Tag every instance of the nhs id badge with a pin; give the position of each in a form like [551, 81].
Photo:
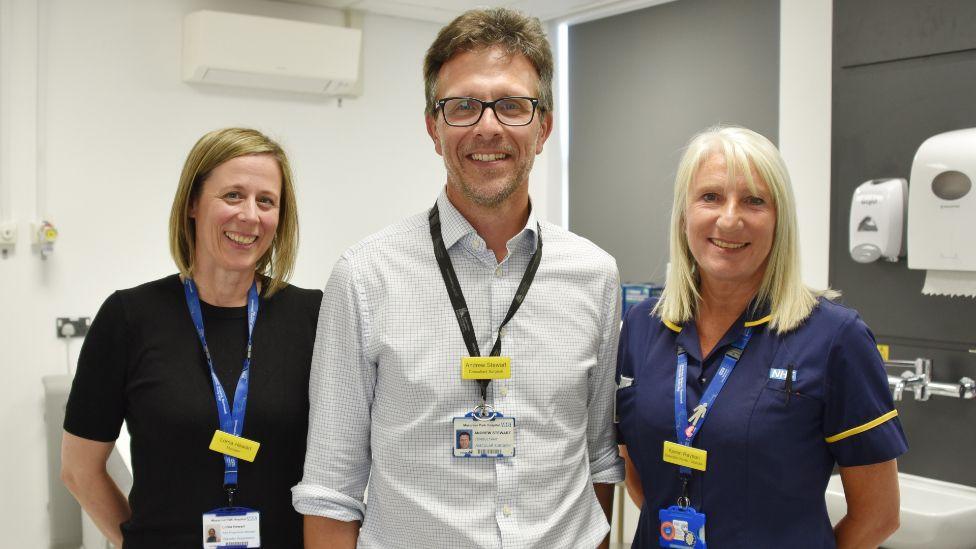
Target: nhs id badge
[682, 527]
[232, 527]
[491, 436]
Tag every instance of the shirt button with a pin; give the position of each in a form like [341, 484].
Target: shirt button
[507, 511]
[502, 332]
[503, 391]
[498, 272]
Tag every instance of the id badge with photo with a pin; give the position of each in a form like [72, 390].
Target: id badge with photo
[484, 437]
[231, 527]
[682, 528]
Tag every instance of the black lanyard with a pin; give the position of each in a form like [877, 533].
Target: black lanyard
[457, 296]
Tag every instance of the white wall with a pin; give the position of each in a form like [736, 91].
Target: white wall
[118, 123]
[804, 124]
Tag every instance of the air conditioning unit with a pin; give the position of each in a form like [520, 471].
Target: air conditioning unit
[262, 52]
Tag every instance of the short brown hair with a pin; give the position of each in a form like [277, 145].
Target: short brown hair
[483, 28]
[212, 150]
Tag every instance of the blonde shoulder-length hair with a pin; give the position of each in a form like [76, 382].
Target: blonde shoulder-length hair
[782, 290]
[213, 149]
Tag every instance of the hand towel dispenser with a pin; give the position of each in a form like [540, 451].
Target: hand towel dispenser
[942, 204]
[942, 212]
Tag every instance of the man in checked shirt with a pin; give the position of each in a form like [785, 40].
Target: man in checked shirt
[472, 316]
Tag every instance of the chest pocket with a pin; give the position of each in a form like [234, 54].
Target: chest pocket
[786, 437]
[787, 408]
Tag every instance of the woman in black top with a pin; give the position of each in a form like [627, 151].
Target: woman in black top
[233, 235]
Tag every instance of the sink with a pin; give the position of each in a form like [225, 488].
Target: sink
[933, 513]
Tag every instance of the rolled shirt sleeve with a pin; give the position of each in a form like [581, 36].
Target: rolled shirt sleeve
[861, 425]
[337, 460]
[606, 466]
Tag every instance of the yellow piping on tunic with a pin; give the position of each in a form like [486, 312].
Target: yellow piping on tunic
[749, 324]
[762, 320]
[671, 325]
[861, 428]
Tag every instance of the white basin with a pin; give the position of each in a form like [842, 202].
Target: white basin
[933, 513]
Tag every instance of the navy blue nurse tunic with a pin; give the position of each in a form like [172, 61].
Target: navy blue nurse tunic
[770, 454]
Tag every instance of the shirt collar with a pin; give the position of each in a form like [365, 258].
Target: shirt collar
[756, 314]
[455, 227]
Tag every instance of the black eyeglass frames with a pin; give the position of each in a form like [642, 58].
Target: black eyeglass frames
[467, 111]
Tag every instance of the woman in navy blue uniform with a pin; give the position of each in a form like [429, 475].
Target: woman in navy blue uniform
[776, 384]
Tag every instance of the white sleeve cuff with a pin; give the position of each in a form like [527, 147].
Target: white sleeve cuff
[611, 473]
[311, 499]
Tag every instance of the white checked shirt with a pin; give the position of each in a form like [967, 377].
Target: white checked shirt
[386, 384]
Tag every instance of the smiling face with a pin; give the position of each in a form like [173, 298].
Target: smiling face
[729, 226]
[489, 162]
[236, 214]
[464, 441]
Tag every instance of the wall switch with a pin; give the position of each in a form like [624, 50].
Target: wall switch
[44, 236]
[73, 327]
[8, 238]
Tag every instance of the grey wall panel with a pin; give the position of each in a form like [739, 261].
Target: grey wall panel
[877, 31]
[881, 114]
[641, 84]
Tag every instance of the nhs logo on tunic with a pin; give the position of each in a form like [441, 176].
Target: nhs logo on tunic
[780, 374]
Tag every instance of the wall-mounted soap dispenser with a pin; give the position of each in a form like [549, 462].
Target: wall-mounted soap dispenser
[878, 220]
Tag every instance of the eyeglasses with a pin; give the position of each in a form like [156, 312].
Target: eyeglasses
[467, 111]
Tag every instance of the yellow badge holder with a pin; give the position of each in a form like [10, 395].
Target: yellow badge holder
[486, 367]
[239, 447]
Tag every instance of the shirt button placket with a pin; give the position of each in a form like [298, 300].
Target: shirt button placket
[506, 512]
[506, 470]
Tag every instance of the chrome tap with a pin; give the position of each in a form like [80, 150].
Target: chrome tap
[917, 383]
[918, 379]
[967, 388]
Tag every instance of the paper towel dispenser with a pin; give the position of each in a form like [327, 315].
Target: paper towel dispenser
[878, 220]
[942, 203]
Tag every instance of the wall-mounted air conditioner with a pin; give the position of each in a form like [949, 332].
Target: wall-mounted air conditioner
[262, 52]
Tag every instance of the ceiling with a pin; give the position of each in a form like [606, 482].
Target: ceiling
[443, 11]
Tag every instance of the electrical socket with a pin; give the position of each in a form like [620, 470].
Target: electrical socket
[8, 233]
[73, 327]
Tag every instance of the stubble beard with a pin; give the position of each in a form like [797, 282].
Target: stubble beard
[489, 197]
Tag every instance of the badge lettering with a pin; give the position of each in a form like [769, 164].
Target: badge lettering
[238, 447]
[685, 456]
[486, 367]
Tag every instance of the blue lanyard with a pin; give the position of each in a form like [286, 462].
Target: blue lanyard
[686, 430]
[231, 418]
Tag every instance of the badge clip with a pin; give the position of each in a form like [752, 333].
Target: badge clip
[483, 412]
[684, 500]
